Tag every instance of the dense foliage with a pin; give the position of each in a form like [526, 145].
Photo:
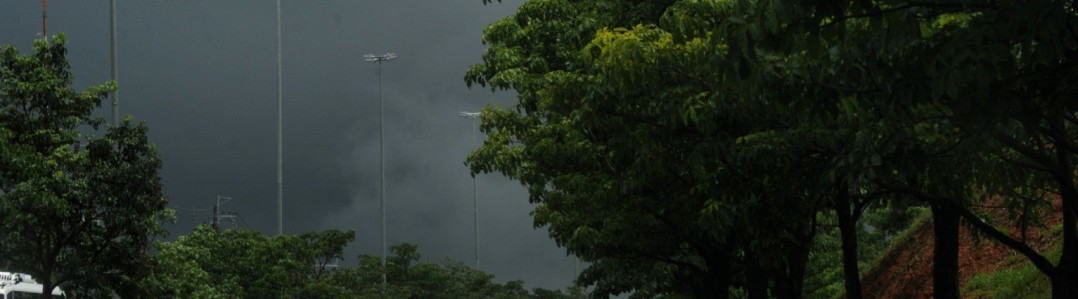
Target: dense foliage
[696, 147]
[75, 211]
[701, 148]
[239, 263]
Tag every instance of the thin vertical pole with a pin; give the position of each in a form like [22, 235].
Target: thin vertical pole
[475, 189]
[475, 200]
[45, 19]
[280, 140]
[215, 218]
[382, 161]
[382, 150]
[112, 56]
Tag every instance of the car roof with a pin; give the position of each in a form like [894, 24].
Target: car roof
[30, 288]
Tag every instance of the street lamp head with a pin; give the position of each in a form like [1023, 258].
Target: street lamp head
[469, 114]
[380, 58]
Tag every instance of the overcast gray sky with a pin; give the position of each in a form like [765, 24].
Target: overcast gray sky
[202, 74]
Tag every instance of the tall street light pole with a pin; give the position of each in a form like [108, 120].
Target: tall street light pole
[112, 56]
[475, 190]
[45, 19]
[382, 148]
[576, 267]
[280, 148]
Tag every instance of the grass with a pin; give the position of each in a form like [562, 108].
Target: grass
[906, 237]
[825, 267]
[1022, 282]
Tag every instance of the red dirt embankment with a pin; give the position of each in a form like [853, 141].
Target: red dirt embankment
[906, 270]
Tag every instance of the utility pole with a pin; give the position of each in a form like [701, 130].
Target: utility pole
[475, 191]
[382, 148]
[216, 211]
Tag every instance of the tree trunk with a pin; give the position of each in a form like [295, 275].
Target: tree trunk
[848, 227]
[756, 280]
[789, 283]
[1060, 289]
[1065, 282]
[722, 278]
[1066, 278]
[45, 277]
[945, 266]
[718, 283]
[46, 288]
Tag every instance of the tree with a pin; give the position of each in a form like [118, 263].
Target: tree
[176, 272]
[238, 263]
[1026, 102]
[1001, 94]
[408, 277]
[647, 152]
[972, 105]
[685, 146]
[79, 211]
[243, 263]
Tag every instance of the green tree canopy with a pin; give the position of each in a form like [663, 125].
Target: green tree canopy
[78, 211]
[408, 277]
[684, 147]
[238, 263]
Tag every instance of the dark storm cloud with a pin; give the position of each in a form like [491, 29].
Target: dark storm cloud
[203, 76]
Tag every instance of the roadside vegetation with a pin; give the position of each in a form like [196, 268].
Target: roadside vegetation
[681, 148]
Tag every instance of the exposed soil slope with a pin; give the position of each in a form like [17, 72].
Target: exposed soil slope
[906, 270]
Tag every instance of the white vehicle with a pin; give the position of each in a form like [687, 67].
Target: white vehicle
[17, 286]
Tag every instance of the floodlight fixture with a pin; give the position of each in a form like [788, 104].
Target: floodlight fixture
[380, 58]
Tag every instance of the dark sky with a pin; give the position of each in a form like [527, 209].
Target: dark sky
[202, 74]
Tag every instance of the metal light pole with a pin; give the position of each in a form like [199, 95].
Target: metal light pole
[45, 19]
[112, 56]
[475, 190]
[381, 147]
[576, 266]
[280, 168]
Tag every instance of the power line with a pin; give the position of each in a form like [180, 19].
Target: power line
[192, 209]
[243, 222]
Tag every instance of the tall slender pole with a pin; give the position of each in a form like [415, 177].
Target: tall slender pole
[112, 56]
[382, 149]
[45, 19]
[475, 201]
[280, 168]
[382, 165]
[475, 189]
